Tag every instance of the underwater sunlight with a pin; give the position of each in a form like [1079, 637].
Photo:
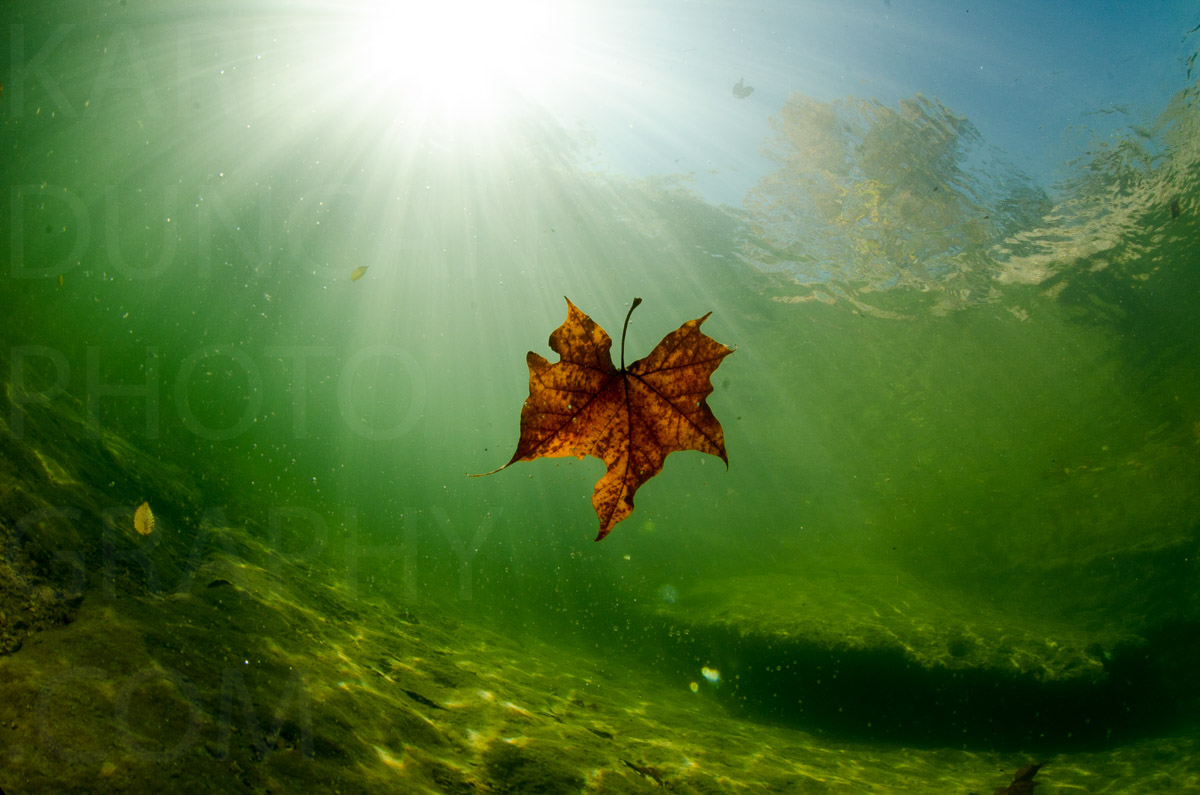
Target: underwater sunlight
[461, 61]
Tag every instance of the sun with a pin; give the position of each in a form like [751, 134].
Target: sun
[461, 59]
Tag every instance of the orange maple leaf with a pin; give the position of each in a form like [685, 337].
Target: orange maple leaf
[631, 418]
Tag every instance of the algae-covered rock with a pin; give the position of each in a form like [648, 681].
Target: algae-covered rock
[524, 769]
[888, 611]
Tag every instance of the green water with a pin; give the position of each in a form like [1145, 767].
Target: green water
[957, 532]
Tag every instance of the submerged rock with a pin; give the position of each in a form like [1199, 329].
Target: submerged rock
[513, 768]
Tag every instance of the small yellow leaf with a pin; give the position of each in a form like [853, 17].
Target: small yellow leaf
[143, 519]
[358, 273]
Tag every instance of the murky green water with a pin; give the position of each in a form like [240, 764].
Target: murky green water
[958, 529]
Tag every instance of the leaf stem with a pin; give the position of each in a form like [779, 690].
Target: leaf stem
[636, 301]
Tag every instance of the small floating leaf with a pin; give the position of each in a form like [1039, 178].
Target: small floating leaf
[143, 519]
[358, 273]
[1023, 782]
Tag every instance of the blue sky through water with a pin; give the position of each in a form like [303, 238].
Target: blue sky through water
[1039, 80]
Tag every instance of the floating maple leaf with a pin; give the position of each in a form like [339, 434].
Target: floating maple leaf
[631, 418]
